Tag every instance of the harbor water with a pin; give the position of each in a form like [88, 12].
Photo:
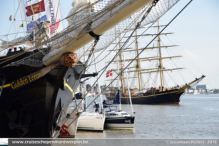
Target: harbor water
[197, 116]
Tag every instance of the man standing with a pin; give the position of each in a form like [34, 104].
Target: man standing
[96, 106]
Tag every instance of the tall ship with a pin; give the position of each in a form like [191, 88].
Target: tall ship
[141, 91]
[38, 80]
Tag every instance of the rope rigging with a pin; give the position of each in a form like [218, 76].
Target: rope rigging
[129, 63]
[93, 48]
[138, 25]
[141, 50]
[85, 66]
[94, 16]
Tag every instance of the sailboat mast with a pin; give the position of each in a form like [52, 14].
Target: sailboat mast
[138, 62]
[160, 57]
[117, 68]
[98, 81]
[122, 75]
[127, 79]
[85, 87]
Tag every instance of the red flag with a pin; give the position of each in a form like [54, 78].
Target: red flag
[54, 27]
[107, 74]
[35, 8]
[111, 73]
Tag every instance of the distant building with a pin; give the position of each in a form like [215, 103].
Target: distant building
[202, 87]
[210, 91]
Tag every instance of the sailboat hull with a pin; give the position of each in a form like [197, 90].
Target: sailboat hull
[119, 122]
[91, 122]
[166, 97]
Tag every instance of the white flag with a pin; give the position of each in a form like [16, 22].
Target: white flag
[53, 14]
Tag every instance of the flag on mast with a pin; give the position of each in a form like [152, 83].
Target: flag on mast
[35, 8]
[34, 23]
[109, 73]
[53, 14]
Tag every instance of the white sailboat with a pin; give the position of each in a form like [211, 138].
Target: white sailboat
[115, 117]
[92, 121]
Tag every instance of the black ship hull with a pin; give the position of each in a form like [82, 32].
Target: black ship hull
[119, 122]
[165, 97]
[39, 108]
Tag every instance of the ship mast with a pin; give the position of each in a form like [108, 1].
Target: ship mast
[138, 62]
[160, 57]
[121, 69]
[158, 69]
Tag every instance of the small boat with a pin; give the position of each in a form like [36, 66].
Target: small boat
[118, 119]
[115, 117]
[91, 122]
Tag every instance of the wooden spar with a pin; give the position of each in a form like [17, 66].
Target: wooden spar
[149, 34]
[162, 70]
[150, 58]
[150, 48]
[144, 69]
[124, 13]
[138, 62]
[160, 57]
[121, 69]
[122, 78]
